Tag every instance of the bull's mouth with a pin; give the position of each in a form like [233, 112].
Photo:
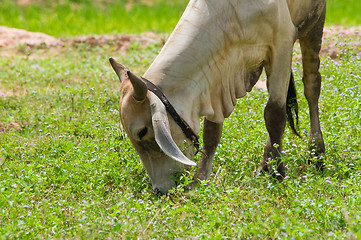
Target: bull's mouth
[178, 179]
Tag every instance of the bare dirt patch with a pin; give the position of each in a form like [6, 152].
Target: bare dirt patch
[10, 37]
[18, 41]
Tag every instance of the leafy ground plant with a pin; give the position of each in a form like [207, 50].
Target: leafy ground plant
[68, 171]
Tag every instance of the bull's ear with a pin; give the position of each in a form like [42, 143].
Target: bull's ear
[119, 69]
[139, 87]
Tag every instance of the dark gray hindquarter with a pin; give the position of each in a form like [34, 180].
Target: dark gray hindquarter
[313, 17]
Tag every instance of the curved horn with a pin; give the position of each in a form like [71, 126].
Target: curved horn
[163, 136]
[119, 69]
[139, 87]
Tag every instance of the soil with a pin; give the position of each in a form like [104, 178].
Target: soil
[10, 37]
[13, 40]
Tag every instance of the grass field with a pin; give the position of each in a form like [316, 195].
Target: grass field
[71, 18]
[84, 17]
[346, 12]
[68, 171]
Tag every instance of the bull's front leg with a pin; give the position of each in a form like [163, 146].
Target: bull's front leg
[278, 70]
[275, 118]
[212, 133]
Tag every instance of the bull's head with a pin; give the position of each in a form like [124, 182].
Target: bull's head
[146, 123]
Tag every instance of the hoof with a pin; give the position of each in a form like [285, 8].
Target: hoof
[277, 175]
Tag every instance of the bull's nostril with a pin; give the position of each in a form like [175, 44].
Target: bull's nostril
[142, 133]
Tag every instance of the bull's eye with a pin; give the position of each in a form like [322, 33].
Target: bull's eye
[142, 133]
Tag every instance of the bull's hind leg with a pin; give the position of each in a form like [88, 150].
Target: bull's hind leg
[310, 47]
[212, 133]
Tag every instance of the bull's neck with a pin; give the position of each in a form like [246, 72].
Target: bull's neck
[197, 67]
[184, 77]
[188, 68]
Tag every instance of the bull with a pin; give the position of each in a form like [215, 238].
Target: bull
[214, 56]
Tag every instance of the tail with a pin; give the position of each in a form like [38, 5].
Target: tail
[292, 106]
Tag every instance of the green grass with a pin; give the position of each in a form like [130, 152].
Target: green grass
[70, 18]
[343, 12]
[68, 171]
